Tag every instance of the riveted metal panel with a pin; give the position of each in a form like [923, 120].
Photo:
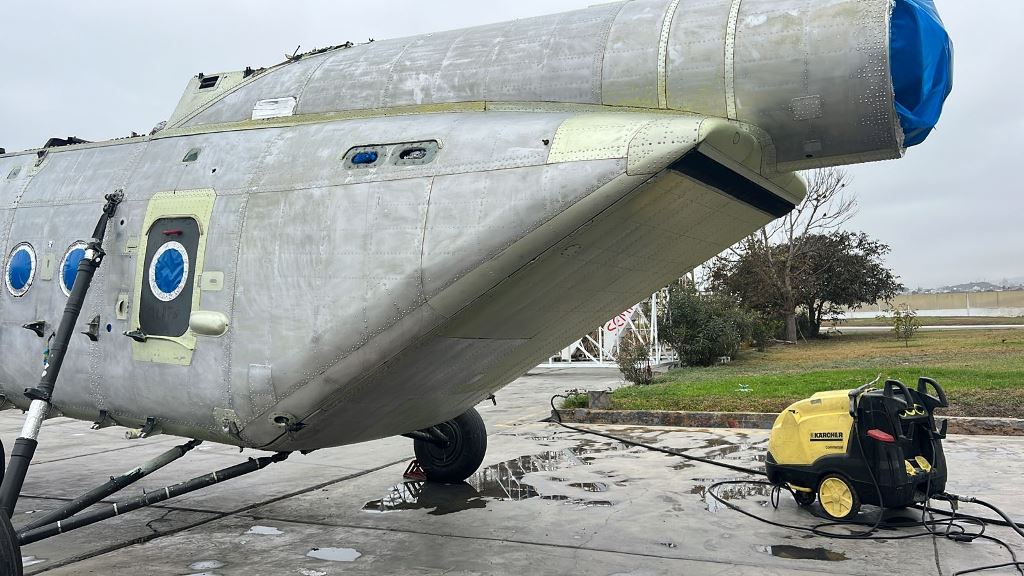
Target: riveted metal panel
[595, 137]
[696, 70]
[631, 60]
[817, 73]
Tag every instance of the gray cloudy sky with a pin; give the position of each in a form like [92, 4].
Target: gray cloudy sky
[98, 69]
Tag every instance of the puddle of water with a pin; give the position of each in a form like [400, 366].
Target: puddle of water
[27, 561]
[590, 486]
[441, 499]
[334, 554]
[264, 531]
[206, 565]
[801, 553]
[503, 481]
[731, 492]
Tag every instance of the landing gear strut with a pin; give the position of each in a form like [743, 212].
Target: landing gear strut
[458, 452]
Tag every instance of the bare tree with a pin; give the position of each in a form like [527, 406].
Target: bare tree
[780, 246]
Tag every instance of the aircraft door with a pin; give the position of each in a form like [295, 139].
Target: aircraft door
[165, 304]
[167, 278]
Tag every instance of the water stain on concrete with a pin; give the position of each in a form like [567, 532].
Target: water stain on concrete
[801, 553]
[334, 554]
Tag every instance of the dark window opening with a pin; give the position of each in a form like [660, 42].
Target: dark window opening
[206, 82]
[14, 173]
[191, 156]
[413, 154]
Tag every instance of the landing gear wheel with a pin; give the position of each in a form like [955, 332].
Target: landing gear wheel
[10, 552]
[467, 443]
[838, 498]
[803, 498]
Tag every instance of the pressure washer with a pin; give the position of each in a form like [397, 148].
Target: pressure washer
[862, 446]
[865, 446]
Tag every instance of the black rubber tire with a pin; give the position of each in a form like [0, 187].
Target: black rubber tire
[804, 498]
[3, 461]
[10, 552]
[854, 505]
[465, 451]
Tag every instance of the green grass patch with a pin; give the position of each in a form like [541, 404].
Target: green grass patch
[982, 372]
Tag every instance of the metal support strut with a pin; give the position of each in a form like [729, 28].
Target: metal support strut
[25, 445]
[114, 485]
[26, 537]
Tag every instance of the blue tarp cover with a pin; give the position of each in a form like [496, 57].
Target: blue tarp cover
[921, 59]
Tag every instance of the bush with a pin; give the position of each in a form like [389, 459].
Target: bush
[634, 360]
[701, 328]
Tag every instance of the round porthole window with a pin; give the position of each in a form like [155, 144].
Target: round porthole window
[168, 271]
[20, 269]
[69, 266]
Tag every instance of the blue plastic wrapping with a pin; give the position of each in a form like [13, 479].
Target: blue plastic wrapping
[921, 60]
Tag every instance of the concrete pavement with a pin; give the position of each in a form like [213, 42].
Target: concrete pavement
[547, 501]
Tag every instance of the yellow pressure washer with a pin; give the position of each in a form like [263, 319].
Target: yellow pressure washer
[865, 445]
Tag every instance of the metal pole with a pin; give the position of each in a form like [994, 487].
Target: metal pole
[25, 446]
[253, 464]
[115, 484]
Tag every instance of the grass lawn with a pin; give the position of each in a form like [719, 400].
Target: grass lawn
[982, 372]
[939, 321]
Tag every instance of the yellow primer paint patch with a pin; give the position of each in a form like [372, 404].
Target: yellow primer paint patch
[197, 204]
[595, 137]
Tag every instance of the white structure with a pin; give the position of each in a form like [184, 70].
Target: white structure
[599, 348]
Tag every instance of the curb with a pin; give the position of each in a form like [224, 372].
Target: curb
[957, 424]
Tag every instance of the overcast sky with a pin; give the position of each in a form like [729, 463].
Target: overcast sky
[951, 210]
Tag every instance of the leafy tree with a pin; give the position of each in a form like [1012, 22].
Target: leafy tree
[830, 271]
[904, 322]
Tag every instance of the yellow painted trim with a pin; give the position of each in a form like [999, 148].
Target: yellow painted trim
[197, 204]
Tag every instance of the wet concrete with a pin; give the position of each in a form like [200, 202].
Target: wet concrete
[546, 501]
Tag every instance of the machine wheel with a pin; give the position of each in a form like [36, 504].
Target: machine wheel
[838, 498]
[803, 498]
[10, 552]
[467, 443]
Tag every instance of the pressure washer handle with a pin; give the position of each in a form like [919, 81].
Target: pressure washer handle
[890, 385]
[856, 392]
[922, 387]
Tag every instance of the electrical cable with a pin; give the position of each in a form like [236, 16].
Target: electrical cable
[955, 529]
